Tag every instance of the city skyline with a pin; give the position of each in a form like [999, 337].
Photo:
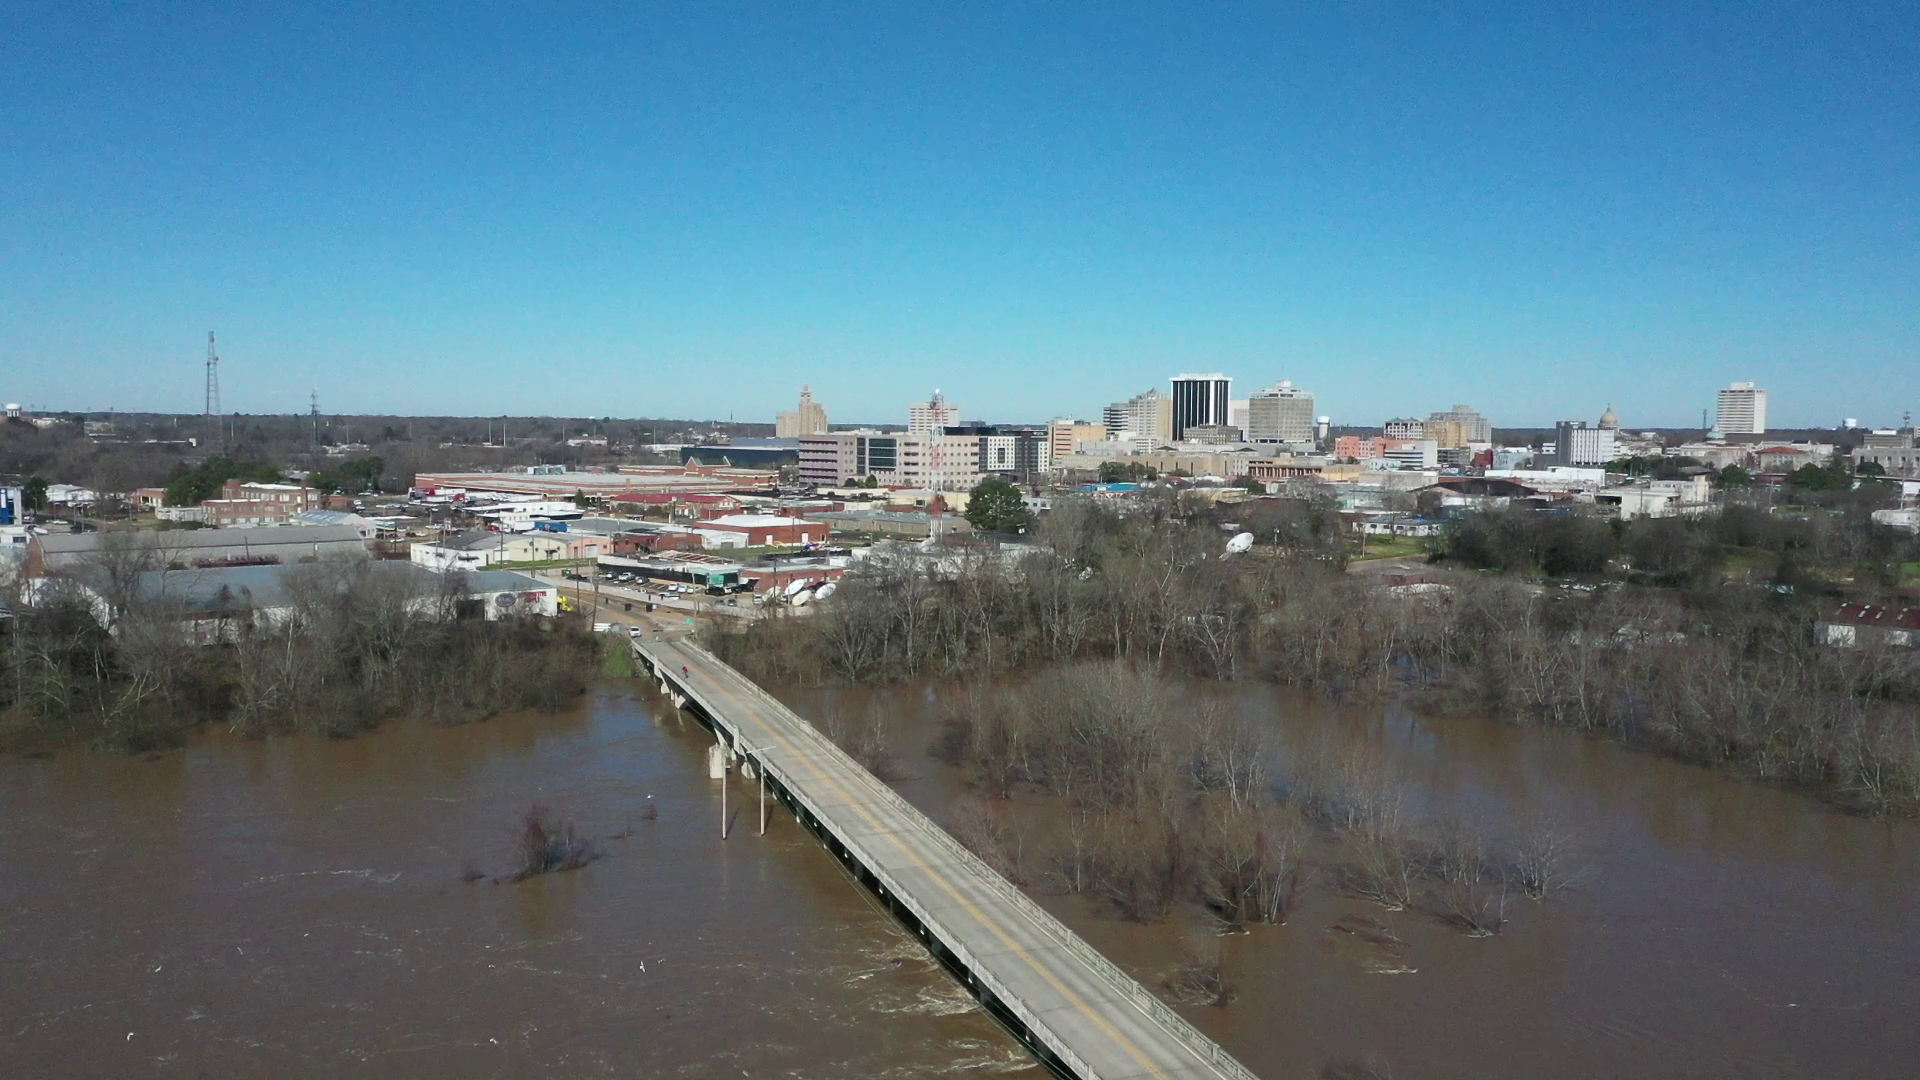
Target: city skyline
[486, 213]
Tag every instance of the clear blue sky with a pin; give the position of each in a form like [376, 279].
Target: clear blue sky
[691, 209]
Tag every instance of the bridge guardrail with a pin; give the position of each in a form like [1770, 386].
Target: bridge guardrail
[1191, 1037]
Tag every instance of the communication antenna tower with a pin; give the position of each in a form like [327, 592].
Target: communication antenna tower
[213, 391]
[314, 409]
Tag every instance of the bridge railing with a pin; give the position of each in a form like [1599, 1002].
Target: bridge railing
[1148, 1002]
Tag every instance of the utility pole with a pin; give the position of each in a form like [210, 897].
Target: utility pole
[213, 393]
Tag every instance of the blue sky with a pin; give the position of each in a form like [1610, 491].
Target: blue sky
[691, 210]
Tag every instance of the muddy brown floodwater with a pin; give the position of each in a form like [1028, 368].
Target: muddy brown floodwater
[1724, 929]
[295, 907]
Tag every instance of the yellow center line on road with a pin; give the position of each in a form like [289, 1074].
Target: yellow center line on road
[1081, 1004]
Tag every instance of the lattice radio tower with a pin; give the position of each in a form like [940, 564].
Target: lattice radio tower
[213, 393]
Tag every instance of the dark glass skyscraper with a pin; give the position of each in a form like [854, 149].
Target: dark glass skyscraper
[1200, 401]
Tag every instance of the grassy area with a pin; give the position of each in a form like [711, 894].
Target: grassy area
[1387, 547]
[616, 656]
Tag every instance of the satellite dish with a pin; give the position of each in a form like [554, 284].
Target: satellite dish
[824, 591]
[794, 587]
[1239, 543]
[800, 599]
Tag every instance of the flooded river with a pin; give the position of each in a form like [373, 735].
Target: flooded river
[296, 907]
[1722, 929]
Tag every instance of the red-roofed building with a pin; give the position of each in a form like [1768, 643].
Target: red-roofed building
[1866, 625]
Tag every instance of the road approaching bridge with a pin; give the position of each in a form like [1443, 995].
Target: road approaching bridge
[1073, 1008]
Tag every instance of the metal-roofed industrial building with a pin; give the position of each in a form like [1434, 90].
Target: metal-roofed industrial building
[190, 548]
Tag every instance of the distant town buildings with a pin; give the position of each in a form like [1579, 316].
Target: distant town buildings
[1742, 410]
[932, 416]
[1281, 413]
[808, 418]
[1065, 437]
[1458, 428]
[1145, 419]
[1577, 444]
[1893, 451]
[1201, 401]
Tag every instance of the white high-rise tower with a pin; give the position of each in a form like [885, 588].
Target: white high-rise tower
[1742, 411]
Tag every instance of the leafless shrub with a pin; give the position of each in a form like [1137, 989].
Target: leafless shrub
[1248, 861]
[1075, 866]
[1544, 859]
[1385, 867]
[1143, 864]
[988, 831]
[548, 843]
[864, 738]
[1473, 909]
[1229, 755]
[1200, 977]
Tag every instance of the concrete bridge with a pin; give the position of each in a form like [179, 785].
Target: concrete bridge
[1077, 1012]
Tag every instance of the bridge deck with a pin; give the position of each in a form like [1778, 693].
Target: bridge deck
[1095, 1019]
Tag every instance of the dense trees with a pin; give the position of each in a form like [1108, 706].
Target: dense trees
[1727, 675]
[1834, 537]
[363, 642]
[192, 485]
[352, 476]
[996, 505]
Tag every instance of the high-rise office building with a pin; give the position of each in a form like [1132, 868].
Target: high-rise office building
[809, 419]
[1459, 426]
[1146, 417]
[1577, 444]
[1201, 401]
[1282, 413]
[932, 416]
[1742, 411]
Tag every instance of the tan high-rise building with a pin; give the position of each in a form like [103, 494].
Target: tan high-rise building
[809, 419]
[932, 417]
[1146, 417]
[1458, 427]
[1282, 413]
[1065, 436]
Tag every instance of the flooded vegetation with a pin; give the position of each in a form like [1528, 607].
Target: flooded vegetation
[1440, 897]
[1725, 674]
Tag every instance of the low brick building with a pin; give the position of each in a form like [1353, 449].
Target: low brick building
[764, 530]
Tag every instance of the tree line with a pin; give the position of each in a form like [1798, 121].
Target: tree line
[1729, 675]
[124, 664]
